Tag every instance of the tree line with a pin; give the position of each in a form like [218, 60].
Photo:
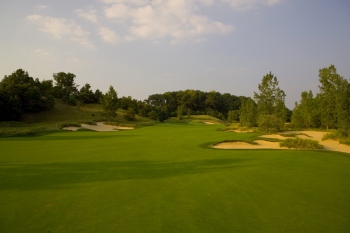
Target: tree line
[20, 93]
[329, 109]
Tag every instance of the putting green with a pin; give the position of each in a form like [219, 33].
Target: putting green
[165, 178]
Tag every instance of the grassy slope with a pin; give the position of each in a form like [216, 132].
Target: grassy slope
[164, 179]
[51, 120]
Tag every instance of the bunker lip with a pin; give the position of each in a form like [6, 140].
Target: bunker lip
[100, 127]
[261, 144]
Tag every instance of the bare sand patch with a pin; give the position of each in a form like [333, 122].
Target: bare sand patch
[208, 123]
[313, 135]
[261, 144]
[71, 128]
[241, 131]
[100, 127]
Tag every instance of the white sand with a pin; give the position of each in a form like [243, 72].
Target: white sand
[208, 123]
[100, 126]
[244, 145]
[314, 135]
[241, 131]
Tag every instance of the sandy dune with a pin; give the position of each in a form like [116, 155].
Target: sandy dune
[313, 135]
[100, 126]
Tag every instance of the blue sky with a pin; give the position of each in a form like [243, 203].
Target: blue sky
[144, 47]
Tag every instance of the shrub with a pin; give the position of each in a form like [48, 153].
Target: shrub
[130, 114]
[345, 141]
[332, 136]
[298, 143]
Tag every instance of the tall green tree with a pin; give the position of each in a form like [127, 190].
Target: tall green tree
[333, 98]
[306, 113]
[109, 102]
[248, 113]
[86, 95]
[20, 93]
[270, 103]
[65, 88]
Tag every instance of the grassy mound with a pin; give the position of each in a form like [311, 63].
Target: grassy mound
[298, 143]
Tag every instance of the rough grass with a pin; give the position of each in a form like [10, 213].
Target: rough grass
[64, 115]
[335, 136]
[298, 143]
[165, 178]
[291, 135]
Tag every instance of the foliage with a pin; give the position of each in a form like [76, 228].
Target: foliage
[233, 116]
[248, 113]
[270, 104]
[334, 100]
[65, 88]
[306, 113]
[109, 102]
[87, 96]
[303, 144]
[20, 93]
[180, 112]
[130, 114]
[270, 123]
[345, 141]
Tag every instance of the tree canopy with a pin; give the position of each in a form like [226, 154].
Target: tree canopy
[20, 93]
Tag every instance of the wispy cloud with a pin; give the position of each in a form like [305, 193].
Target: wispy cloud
[41, 7]
[44, 54]
[61, 28]
[108, 35]
[89, 14]
[248, 4]
[173, 19]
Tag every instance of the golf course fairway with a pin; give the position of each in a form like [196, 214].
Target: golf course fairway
[167, 178]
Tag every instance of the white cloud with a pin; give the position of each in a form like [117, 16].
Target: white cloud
[61, 28]
[156, 19]
[89, 14]
[41, 7]
[108, 35]
[248, 4]
[44, 54]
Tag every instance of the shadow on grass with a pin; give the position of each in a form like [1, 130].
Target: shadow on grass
[57, 137]
[14, 176]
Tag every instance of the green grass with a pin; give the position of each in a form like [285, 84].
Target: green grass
[65, 115]
[166, 178]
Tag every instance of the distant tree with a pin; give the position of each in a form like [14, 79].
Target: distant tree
[97, 96]
[334, 100]
[180, 112]
[86, 95]
[20, 93]
[306, 113]
[109, 102]
[248, 113]
[65, 88]
[271, 103]
[130, 114]
[233, 116]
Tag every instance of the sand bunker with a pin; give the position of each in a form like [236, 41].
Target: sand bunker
[208, 123]
[313, 135]
[100, 126]
[244, 145]
[241, 131]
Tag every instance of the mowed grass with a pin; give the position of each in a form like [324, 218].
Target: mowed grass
[165, 178]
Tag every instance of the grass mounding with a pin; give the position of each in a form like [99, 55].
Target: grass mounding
[298, 143]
